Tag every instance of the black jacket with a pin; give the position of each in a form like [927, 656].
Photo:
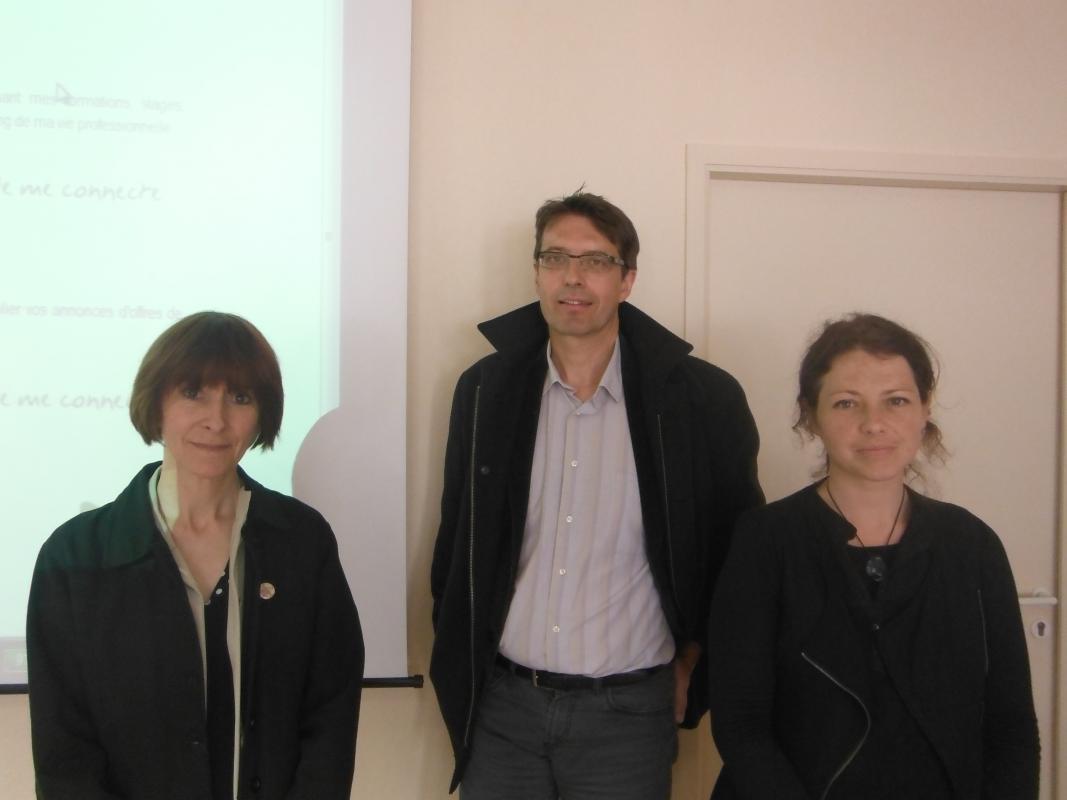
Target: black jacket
[115, 674]
[694, 444]
[791, 635]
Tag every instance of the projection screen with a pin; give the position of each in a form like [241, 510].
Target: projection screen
[160, 158]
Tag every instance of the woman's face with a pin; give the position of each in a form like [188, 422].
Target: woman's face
[870, 417]
[207, 430]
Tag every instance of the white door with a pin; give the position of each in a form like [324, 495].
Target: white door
[976, 272]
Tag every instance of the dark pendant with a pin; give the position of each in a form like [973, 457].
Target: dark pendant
[876, 569]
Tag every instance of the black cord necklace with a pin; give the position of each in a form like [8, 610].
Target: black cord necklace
[876, 568]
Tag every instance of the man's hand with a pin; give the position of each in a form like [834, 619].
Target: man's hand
[684, 660]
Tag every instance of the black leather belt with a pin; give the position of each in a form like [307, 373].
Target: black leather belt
[561, 681]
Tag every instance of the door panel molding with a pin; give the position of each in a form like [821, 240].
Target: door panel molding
[707, 163]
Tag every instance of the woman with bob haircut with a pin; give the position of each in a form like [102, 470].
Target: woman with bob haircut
[196, 637]
[865, 640]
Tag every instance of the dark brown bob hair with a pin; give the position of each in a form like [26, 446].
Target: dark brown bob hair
[205, 349]
[608, 219]
[879, 337]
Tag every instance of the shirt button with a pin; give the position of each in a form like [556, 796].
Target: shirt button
[875, 627]
[570, 518]
[562, 571]
[484, 469]
[555, 629]
[574, 463]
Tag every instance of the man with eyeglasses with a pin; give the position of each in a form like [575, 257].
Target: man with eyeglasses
[593, 473]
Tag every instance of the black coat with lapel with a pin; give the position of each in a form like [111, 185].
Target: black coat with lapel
[694, 444]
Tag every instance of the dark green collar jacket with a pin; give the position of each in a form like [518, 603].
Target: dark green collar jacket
[115, 673]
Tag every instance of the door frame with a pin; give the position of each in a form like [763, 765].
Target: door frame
[706, 163]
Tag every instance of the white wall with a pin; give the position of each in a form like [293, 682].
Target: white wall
[514, 102]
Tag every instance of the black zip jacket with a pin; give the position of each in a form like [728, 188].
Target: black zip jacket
[694, 444]
[792, 631]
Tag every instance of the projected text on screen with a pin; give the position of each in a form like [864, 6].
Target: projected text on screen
[155, 159]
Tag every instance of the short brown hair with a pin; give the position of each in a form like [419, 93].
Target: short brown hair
[205, 349]
[879, 337]
[608, 219]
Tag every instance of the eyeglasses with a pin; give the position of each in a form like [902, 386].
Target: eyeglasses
[588, 263]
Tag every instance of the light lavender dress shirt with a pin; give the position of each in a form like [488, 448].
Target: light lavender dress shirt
[585, 602]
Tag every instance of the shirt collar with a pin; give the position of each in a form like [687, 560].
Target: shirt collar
[610, 381]
[156, 499]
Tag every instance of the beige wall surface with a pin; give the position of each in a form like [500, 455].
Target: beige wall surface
[514, 102]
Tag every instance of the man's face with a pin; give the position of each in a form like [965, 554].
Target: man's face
[576, 303]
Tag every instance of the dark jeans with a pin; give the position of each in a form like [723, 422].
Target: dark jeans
[542, 744]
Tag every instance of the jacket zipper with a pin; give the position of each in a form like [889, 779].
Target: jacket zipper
[866, 732]
[985, 640]
[667, 515]
[470, 566]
